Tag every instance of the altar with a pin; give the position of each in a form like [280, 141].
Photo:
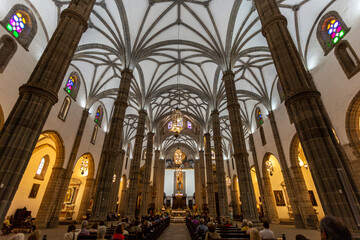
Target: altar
[179, 201]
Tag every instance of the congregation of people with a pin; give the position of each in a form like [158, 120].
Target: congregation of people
[205, 228]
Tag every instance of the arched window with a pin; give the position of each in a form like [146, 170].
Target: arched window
[64, 108]
[347, 58]
[94, 135]
[99, 115]
[170, 125]
[41, 170]
[262, 135]
[8, 48]
[144, 155]
[189, 125]
[259, 117]
[72, 85]
[21, 23]
[331, 30]
[281, 91]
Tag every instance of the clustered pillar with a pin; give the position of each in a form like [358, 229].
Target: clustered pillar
[145, 200]
[135, 165]
[112, 149]
[220, 169]
[202, 179]
[247, 195]
[156, 181]
[209, 176]
[23, 127]
[328, 163]
[115, 186]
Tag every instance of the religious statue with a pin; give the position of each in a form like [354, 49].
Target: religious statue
[179, 181]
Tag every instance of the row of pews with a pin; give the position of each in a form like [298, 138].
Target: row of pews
[151, 234]
[228, 233]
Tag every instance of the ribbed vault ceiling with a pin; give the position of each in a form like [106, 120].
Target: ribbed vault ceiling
[178, 50]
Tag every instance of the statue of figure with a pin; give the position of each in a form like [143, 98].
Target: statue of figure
[179, 182]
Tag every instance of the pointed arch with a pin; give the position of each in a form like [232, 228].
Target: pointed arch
[72, 85]
[8, 48]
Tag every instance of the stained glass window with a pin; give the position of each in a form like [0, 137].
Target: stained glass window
[189, 125]
[212, 154]
[21, 24]
[41, 166]
[72, 85]
[331, 30]
[99, 116]
[335, 30]
[16, 24]
[259, 117]
[170, 125]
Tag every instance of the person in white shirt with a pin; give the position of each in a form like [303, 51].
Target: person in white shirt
[266, 233]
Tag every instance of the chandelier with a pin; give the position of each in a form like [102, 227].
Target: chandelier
[177, 122]
[179, 156]
[269, 167]
[84, 166]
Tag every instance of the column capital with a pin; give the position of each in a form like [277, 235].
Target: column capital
[72, 13]
[215, 111]
[228, 74]
[278, 18]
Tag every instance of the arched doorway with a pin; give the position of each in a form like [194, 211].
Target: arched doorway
[275, 192]
[47, 155]
[352, 126]
[303, 178]
[78, 194]
[256, 191]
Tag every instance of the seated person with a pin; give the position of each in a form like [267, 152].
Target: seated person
[6, 228]
[101, 232]
[201, 230]
[84, 231]
[227, 224]
[211, 234]
[118, 233]
[244, 226]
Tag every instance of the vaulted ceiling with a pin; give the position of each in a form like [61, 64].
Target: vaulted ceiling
[178, 50]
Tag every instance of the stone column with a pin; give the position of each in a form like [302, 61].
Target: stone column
[55, 192]
[161, 182]
[123, 199]
[135, 165]
[337, 189]
[202, 178]
[115, 187]
[146, 194]
[247, 195]
[220, 168]
[156, 179]
[209, 176]
[304, 216]
[111, 149]
[23, 127]
[270, 199]
[258, 176]
[198, 186]
[85, 201]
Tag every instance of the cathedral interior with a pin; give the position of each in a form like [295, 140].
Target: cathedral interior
[234, 107]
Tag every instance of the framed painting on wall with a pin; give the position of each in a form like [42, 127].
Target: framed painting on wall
[279, 198]
[34, 190]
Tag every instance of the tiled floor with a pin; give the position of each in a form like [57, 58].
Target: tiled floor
[176, 231]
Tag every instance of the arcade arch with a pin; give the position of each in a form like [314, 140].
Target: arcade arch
[49, 150]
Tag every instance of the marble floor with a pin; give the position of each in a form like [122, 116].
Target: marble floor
[179, 231]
